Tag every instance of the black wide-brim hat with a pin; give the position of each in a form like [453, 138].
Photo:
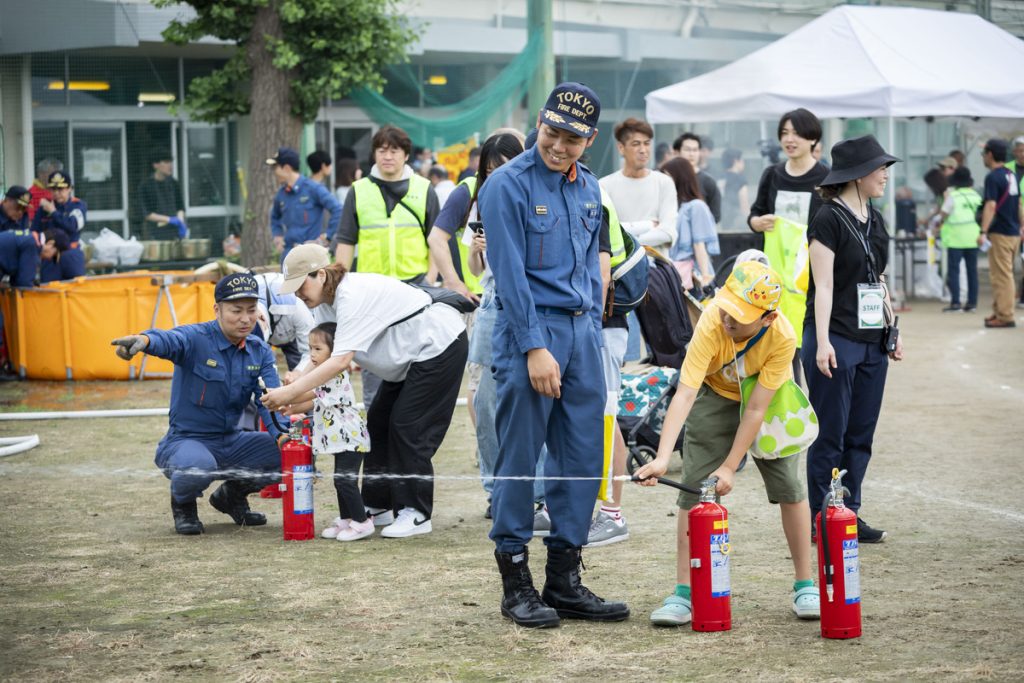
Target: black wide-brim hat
[856, 158]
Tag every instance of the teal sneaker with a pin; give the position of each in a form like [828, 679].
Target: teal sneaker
[807, 603]
[675, 611]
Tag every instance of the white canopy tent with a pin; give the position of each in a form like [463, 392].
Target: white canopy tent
[861, 62]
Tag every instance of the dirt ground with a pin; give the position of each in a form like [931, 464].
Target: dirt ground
[96, 585]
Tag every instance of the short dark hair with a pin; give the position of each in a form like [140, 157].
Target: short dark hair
[438, 171]
[630, 126]
[391, 136]
[730, 156]
[475, 152]
[997, 148]
[804, 123]
[678, 144]
[317, 160]
[325, 330]
[158, 155]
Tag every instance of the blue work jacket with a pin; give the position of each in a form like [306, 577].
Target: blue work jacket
[8, 223]
[69, 217]
[19, 257]
[214, 380]
[298, 210]
[542, 230]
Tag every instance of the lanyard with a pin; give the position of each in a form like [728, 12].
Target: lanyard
[750, 344]
[862, 240]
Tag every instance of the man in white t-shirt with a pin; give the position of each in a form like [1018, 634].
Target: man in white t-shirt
[646, 201]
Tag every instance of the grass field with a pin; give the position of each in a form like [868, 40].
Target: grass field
[96, 585]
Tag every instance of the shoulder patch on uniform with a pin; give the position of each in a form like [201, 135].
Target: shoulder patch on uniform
[211, 362]
[540, 210]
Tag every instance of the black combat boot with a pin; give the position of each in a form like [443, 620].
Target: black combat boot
[230, 499]
[186, 518]
[521, 603]
[570, 598]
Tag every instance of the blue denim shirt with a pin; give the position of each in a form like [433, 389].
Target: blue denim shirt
[214, 380]
[542, 242]
[694, 223]
[298, 210]
[69, 217]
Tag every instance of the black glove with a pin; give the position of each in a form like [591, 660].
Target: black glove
[128, 346]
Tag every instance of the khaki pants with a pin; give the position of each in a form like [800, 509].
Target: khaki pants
[1000, 268]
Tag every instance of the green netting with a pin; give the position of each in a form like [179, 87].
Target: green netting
[454, 123]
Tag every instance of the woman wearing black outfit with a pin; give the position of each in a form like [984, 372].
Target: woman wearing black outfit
[848, 310]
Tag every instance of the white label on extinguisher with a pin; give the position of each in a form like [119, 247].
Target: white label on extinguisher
[851, 572]
[302, 498]
[719, 565]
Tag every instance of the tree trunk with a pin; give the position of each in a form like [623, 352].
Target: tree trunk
[273, 126]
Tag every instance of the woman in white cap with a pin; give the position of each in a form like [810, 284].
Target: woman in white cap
[417, 347]
[848, 321]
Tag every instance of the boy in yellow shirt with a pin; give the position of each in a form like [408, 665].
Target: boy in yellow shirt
[740, 334]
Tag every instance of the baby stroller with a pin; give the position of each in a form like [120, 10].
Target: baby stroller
[643, 402]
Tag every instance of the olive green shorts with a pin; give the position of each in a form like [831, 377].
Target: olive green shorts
[710, 430]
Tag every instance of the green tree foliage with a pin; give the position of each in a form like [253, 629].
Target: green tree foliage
[328, 47]
[292, 54]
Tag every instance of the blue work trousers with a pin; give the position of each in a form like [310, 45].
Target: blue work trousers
[192, 461]
[848, 406]
[572, 427]
[970, 259]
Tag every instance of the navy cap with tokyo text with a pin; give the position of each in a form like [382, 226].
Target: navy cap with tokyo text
[236, 286]
[285, 155]
[573, 107]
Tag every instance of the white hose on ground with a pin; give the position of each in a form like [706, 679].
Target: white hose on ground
[129, 412]
[18, 444]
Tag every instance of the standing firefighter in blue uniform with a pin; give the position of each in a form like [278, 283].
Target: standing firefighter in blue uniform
[542, 213]
[67, 215]
[13, 216]
[297, 215]
[217, 367]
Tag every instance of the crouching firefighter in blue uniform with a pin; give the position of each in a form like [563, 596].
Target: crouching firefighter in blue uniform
[542, 214]
[217, 367]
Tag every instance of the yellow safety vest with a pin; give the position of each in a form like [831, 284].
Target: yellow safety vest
[472, 281]
[392, 244]
[960, 230]
[614, 230]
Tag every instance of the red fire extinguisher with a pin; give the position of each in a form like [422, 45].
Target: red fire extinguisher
[297, 484]
[709, 562]
[838, 564]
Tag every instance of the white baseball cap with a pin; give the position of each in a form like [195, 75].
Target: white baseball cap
[300, 262]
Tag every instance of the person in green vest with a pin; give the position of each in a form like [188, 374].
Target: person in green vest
[388, 216]
[959, 235]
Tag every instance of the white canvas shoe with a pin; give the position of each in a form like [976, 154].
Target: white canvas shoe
[336, 526]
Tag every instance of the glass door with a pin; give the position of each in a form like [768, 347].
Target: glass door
[99, 171]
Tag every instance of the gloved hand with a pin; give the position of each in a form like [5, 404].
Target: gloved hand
[128, 346]
[180, 225]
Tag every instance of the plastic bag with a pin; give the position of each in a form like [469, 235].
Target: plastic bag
[107, 246]
[130, 252]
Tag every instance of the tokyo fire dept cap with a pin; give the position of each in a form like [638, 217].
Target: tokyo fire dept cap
[236, 286]
[59, 180]
[300, 262]
[285, 155]
[752, 290]
[573, 107]
[19, 194]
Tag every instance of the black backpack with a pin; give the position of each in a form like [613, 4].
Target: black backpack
[664, 318]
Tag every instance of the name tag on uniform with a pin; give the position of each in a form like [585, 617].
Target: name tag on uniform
[870, 306]
[212, 363]
[540, 210]
[304, 199]
[252, 367]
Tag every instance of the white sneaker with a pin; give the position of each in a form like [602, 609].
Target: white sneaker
[410, 522]
[381, 517]
[357, 530]
[336, 526]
